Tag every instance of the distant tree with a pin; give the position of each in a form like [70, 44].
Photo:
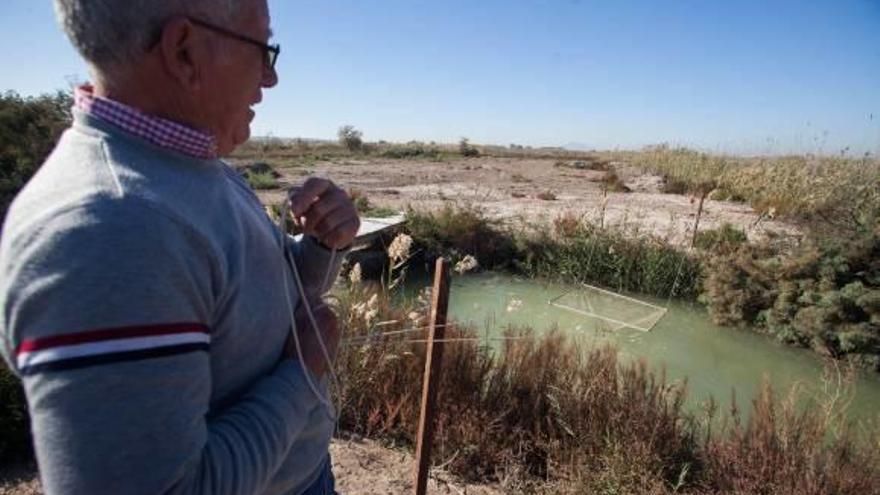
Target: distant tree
[29, 129]
[350, 138]
[466, 149]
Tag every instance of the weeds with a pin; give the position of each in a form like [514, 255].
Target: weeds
[723, 239]
[366, 208]
[458, 231]
[545, 415]
[837, 192]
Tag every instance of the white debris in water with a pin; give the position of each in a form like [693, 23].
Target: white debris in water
[468, 263]
[514, 305]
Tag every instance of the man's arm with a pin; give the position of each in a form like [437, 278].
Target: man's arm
[106, 311]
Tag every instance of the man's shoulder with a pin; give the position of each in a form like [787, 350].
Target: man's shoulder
[110, 175]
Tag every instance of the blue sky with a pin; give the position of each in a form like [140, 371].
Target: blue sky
[738, 76]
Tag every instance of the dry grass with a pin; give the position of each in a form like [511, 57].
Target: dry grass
[544, 415]
[841, 192]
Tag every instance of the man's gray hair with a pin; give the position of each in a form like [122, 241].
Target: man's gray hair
[112, 33]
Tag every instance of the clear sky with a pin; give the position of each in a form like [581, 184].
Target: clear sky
[748, 76]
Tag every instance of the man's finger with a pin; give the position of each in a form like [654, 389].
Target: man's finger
[330, 202]
[343, 235]
[302, 198]
[337, 229]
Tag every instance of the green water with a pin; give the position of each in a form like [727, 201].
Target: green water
[714, 360]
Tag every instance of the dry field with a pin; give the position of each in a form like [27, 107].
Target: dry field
[512, 188]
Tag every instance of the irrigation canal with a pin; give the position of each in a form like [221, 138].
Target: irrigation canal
[714, 360]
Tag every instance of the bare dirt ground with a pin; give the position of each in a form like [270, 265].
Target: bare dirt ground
[361, 468]
[509, 189]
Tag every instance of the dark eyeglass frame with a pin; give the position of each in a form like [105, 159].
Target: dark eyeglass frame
[271, 52]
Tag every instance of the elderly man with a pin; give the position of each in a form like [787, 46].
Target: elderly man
[146, 296]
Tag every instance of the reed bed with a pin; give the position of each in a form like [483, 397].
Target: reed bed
[836, 191]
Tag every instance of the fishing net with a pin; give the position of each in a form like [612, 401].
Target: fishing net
[614, 311]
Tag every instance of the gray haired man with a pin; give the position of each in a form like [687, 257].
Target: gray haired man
[146, 297]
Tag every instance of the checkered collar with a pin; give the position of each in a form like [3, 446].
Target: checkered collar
[161, 132]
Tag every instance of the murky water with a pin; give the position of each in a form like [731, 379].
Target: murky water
[714, 360]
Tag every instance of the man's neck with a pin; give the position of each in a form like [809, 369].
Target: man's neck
[148, 93]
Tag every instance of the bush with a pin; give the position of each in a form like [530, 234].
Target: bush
[368, 209]
[822, 295]
[263, 180]
[29, 129]
[411, 150]
[725, 238]
[462, 231]
[611, 182]
[350, 138]
[15, 432]
[466, 149]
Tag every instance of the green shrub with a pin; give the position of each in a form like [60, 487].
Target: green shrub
[820, 295]
[262, 180]
[29, 129]
[15, 436]
[350, 138]
[724, 238]
[466, 149]
[462, 230]
[410, 150]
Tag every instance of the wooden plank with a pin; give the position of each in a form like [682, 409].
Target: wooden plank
[433, 363]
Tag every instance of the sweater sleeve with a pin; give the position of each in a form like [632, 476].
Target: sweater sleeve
[106, 314]
[317, 265]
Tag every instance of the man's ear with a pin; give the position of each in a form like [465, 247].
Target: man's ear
[181, 53]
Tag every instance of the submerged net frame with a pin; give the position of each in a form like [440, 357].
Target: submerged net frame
[607, 306]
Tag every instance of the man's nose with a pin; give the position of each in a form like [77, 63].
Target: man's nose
[270, 77]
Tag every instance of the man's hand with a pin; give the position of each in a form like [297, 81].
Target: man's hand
[313, 357]
[325, 212]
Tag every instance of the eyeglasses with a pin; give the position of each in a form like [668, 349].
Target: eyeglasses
[271, 51]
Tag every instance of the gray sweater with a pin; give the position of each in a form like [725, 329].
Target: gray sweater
[142, 304]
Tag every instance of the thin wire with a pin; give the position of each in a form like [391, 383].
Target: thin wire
[449, 340]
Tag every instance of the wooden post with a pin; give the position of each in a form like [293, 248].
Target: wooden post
[703, 194]
[433, 362]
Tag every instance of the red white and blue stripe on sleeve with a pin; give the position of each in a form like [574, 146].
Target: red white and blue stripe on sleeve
[110, 345]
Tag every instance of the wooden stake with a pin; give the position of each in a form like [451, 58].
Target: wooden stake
[433, 362]
[703, 195]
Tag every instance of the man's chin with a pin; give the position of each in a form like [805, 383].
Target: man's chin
[237, 140]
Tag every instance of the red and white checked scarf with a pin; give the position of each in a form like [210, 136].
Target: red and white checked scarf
[161, 132]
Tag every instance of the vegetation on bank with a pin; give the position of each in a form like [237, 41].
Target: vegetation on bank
[543, 415]
[573, 250]
[822, 295]
[822, 292]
